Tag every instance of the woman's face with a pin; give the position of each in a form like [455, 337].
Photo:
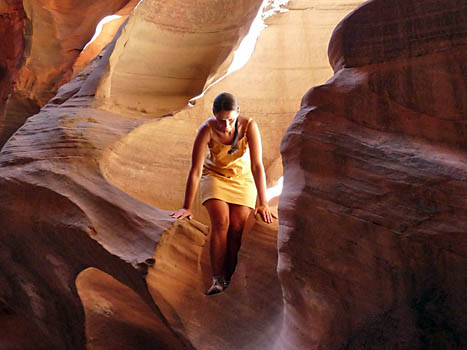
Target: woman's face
[225, 120]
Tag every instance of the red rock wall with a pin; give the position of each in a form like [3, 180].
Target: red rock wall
[372, 216]
[269, 88]
[59, 216]
[372, 238]
[53, 225]
[48, 42]
[12, 22]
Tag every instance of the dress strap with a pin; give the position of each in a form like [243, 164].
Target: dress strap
[247, 125]
[209, 127]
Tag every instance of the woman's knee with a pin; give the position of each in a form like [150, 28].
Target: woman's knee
[238, 218]
[236, 225]
[218, 213]
[220, 223]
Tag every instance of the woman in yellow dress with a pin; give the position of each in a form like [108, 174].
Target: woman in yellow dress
[228, 179]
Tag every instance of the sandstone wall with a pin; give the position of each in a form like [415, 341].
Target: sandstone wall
[13, 24]
[371, 246]
[152, 162]
[59, 216]
[54, 33]
[372, 240]
[172, 50]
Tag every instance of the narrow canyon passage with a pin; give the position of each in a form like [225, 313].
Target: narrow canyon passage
[369, 250]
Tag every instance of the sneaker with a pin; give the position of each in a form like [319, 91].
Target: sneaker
[225, 283]
[217, 287]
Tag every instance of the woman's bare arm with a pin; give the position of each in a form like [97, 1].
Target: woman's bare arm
[257, 168]
[197, 158]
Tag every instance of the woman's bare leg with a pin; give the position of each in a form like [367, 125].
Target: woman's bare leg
[219, 214]
[238, 217]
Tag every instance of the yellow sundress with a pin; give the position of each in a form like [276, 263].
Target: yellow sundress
[228, 176]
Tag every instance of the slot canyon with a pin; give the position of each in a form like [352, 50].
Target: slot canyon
[362, 107]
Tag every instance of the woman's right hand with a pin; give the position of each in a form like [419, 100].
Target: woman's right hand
[181, 214]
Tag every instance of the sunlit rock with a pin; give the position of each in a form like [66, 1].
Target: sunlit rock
[371, 248]
[172, 50]
[54, 32]
[105, 32]
[59, 216]
[152, 162]
[248, 315]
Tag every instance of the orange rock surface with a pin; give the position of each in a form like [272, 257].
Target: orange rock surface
[373, 215]
[106, 35]
[55, 32]
[117, 318]
[371, 247]
[172, 49]
[60, 216]
[151, 163]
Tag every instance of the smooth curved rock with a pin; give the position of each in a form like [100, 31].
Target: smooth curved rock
[107, 34]
[173, 50]
[59, 32]
[55, 199]
[54, 35]
[372, 239]
[248, 315]
[117, 317]
[56, 203]
[152, 162]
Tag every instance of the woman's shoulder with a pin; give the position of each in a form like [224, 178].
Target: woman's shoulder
[208, 122]
[247, 122]
[204, 131]
[244, 121]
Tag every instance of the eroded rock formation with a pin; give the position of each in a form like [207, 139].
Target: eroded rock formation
[12, 44]
[12, 27]
[151, 163]
[173, 50]
[108, 30]
[372, 238]
[371, 245]
[54, 33]
[57, 218]
[117, 317]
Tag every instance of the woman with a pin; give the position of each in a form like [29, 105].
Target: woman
[229, 178]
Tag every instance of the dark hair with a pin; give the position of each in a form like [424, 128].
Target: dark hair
[224, 102]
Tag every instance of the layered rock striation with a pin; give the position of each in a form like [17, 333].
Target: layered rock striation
[59, 217]
[173, 50]
[372, 238]
[49, 37]
[372, 219]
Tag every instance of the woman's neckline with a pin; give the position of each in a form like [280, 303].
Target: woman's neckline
[227, 144]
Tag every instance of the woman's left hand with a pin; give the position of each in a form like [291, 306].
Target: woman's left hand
[266, 213]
